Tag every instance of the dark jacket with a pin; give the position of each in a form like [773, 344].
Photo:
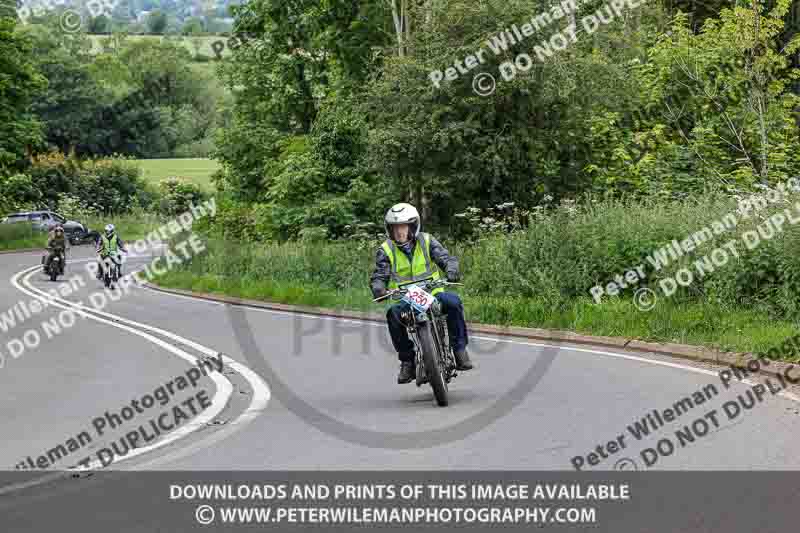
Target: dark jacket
[383, 267]
[56, 243]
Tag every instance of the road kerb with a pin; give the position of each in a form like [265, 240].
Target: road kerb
[682, 351]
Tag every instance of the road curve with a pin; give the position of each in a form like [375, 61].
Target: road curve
[334, 376]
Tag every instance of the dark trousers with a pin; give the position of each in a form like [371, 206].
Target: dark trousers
[456, 325]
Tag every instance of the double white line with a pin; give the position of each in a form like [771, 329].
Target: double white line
[224, 388]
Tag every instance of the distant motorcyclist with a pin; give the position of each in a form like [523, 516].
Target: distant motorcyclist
[406, 256]
[56, 245]
[109, 244]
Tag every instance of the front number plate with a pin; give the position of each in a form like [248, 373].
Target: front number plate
[418, 298]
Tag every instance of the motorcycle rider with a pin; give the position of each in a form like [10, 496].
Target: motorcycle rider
[108, 244]
[56, 245]
[405, 252]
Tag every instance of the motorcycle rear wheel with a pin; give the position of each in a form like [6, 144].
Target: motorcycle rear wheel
[430, 358]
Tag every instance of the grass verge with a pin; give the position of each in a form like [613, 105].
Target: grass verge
[703, 324]
[129, 227]
[20, 237]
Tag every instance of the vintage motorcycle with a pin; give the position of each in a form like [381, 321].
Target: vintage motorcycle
[427, 328]
[56, 267]
[111, 269]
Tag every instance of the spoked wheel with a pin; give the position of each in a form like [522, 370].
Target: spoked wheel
[433, 370]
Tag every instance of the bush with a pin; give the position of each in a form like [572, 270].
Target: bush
[111, 185]
[239, 221]
[200, 148]
[74, 208]
[178, 195]
[16, 191]
[557, 255]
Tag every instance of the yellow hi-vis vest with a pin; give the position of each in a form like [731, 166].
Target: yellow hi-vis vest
[109, 245]
[421, 267]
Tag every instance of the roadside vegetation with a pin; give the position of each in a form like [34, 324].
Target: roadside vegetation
[564, 177]
[20, 237]
[82, 120]
[540, 274]
[201, 47]
[94, 192]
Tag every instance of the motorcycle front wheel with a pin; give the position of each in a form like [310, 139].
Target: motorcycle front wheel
[431, 360]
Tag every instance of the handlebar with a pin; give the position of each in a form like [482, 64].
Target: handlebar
[428, 283]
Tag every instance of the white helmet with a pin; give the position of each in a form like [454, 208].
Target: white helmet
[110, 229]
[403, 214]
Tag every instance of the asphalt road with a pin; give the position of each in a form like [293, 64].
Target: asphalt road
[306, 393]
[333, 402]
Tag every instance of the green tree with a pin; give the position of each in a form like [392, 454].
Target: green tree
[20, 85]
[157, 22]
[288, 57]
[291, 52]
[99, 25]
[8, 8]
[719, 100]
[70, 105]
[193, 26]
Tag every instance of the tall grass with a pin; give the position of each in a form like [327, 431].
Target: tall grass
[129, 227]
[20, 236]
[541, 276]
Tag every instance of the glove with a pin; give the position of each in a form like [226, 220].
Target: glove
[454, 277]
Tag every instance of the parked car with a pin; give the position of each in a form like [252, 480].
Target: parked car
[75, 232]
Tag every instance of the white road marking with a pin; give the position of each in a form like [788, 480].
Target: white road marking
[565, 346]
[180, 296]
[223, 385]
[259, 398]
[261, 393]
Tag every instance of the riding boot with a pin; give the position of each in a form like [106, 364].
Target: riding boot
[407, 372]
[462, 360]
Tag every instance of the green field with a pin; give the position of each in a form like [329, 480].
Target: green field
[197, 170]
[194, 45]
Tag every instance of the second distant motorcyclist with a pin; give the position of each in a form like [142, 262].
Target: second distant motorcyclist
[109, 244]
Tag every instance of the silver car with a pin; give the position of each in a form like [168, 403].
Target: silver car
[75, 232]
